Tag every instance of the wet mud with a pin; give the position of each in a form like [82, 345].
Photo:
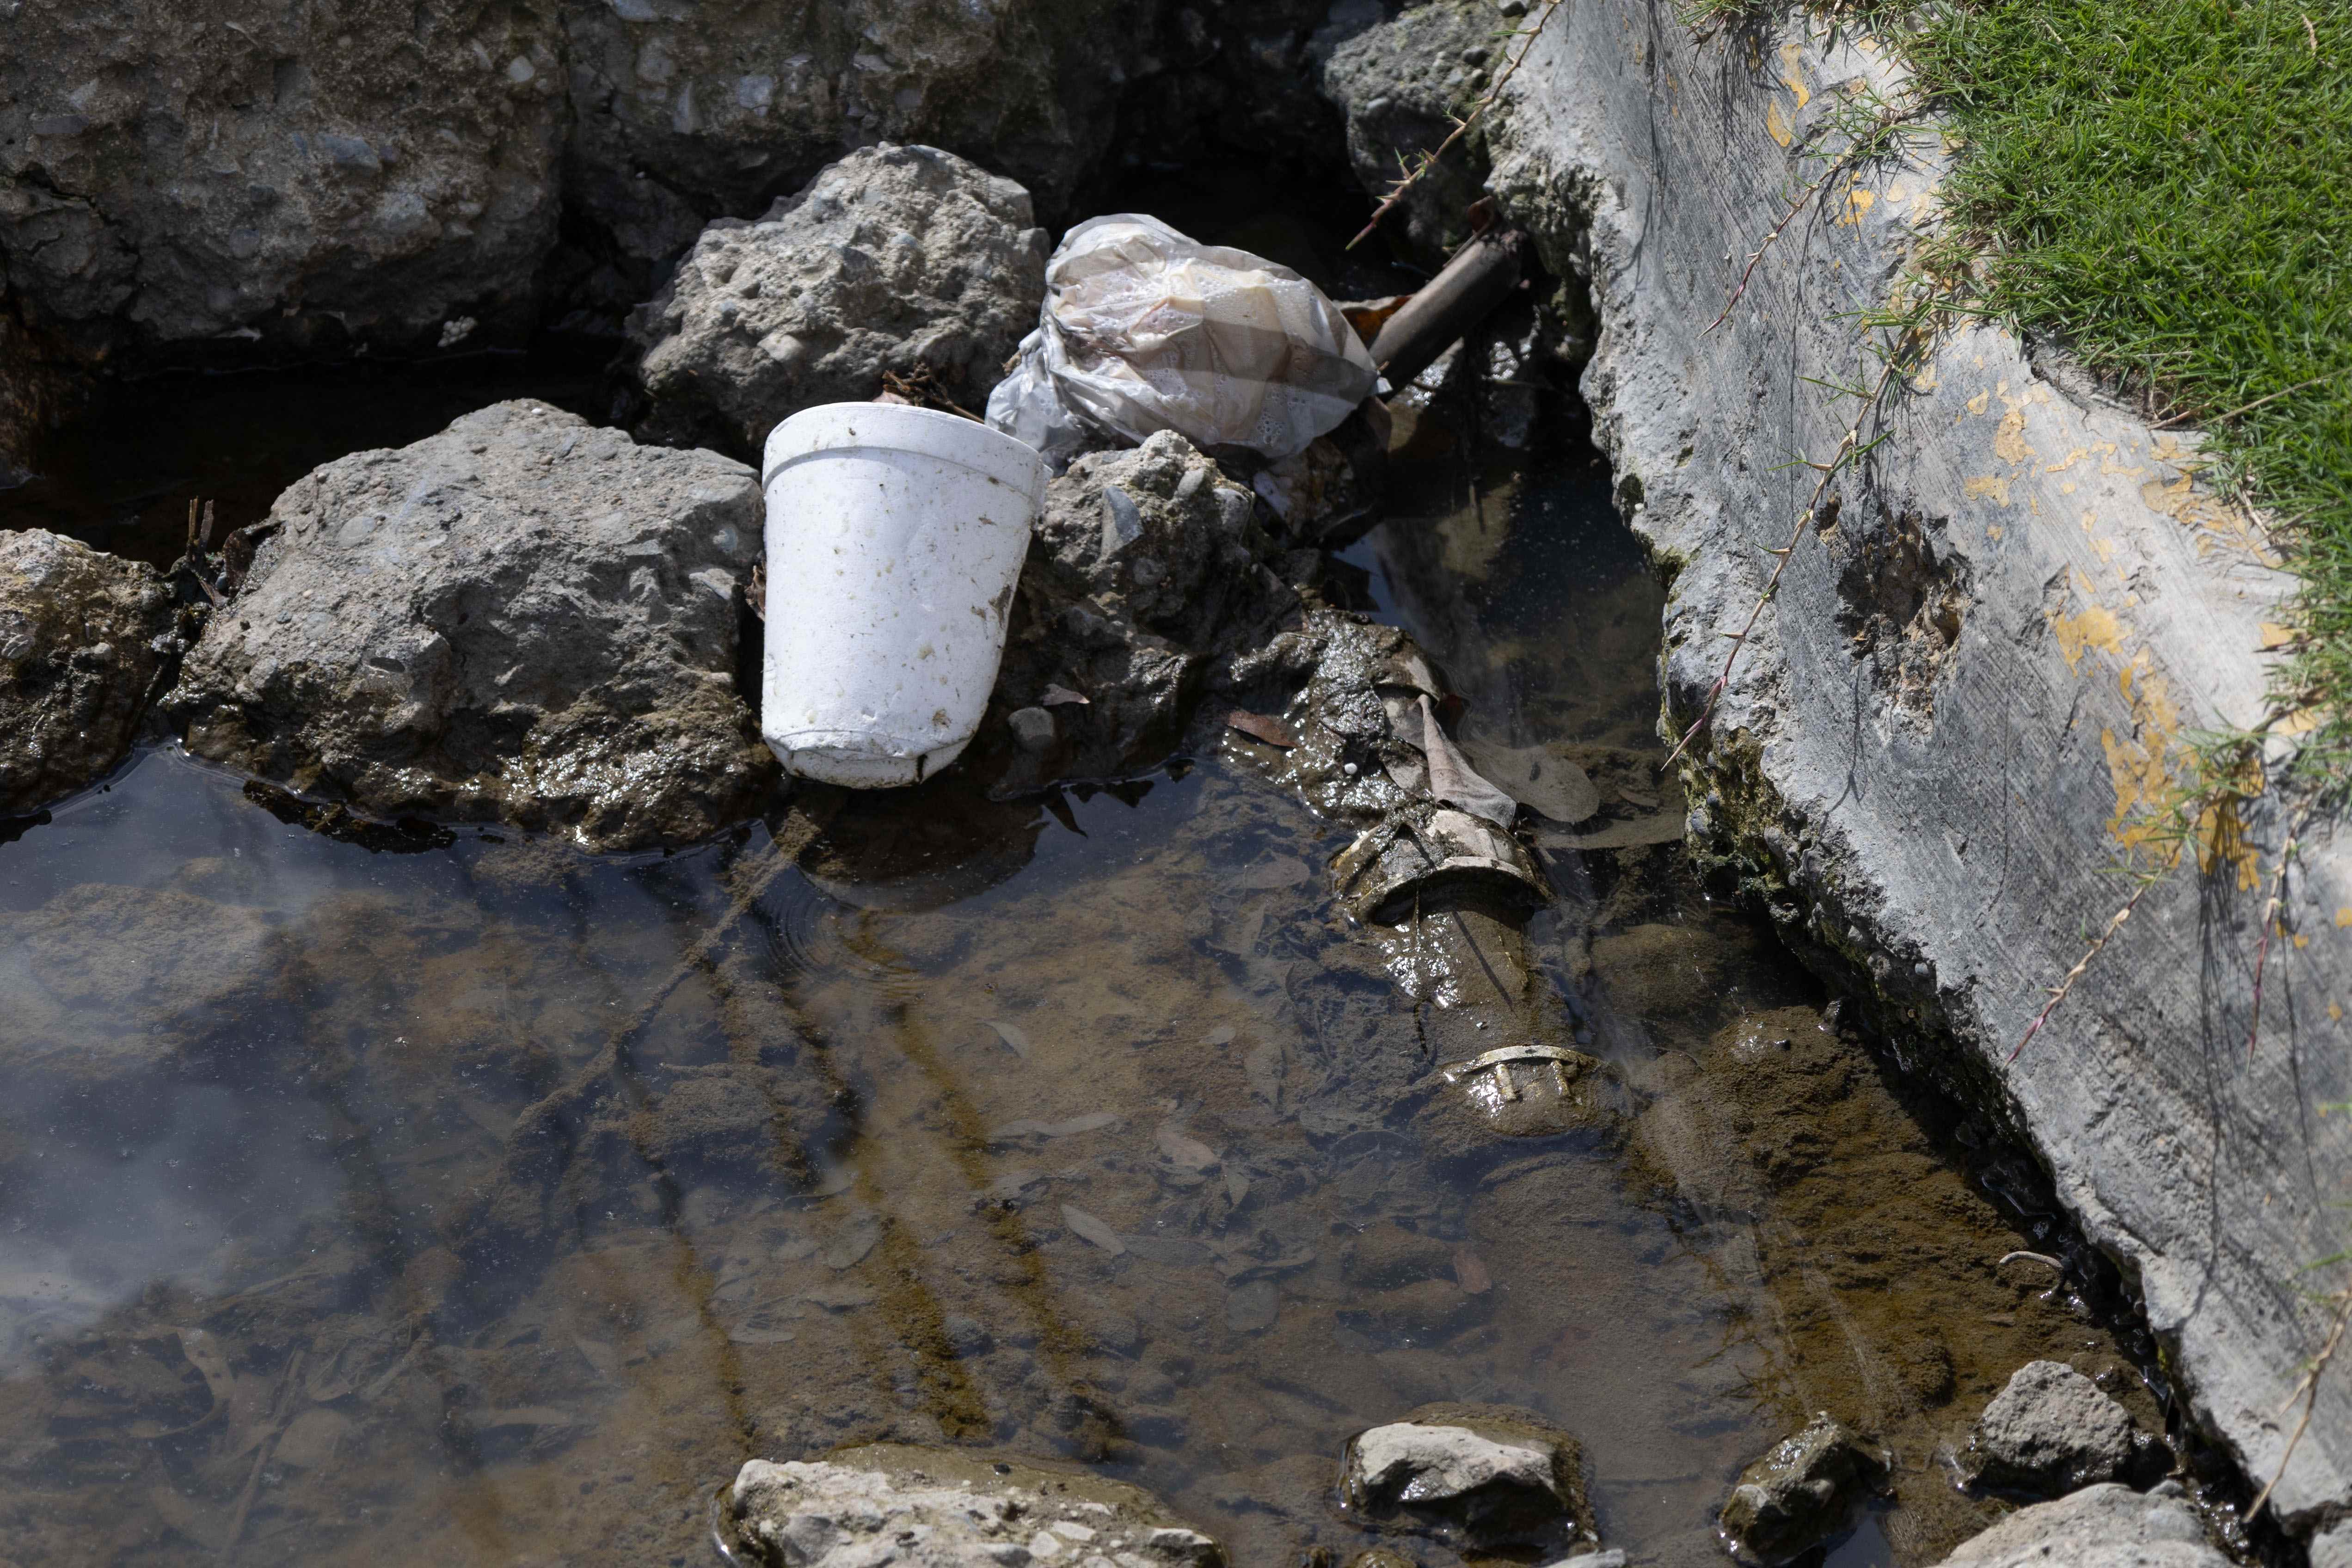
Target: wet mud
[1092, 1127]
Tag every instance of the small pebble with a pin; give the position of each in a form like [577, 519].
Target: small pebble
[1349, 769]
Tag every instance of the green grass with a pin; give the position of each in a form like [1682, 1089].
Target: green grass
[2165, 185]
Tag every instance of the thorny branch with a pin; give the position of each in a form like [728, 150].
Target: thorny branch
[2058, 992]
[2270, 923]
[1462, 124]
[1849, 447]
[2308, 1392]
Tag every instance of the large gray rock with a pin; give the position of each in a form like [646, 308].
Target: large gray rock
[1804, 1491]
[2052, 1430]
[1401, 83]
[84, 638]
[1146, 573]
[894, 259]
[1969, 689]
[931, 1508]
[522, 619]
[305, 176]
[2332, 1548]
[1495, 1475]
[2098, 1527]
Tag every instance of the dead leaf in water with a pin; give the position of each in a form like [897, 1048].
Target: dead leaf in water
[1092, 1122]
[1539, 778]
[1470, 1273]
[1262, 727]
[1056, 695]
[1013, 1039]
[1222, 1035]
[1237, 1186]
[1092, 1229]
[849, 1248]
[1281, 871]
[1189, 1153]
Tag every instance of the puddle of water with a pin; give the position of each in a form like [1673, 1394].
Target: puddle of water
[1089, 1128]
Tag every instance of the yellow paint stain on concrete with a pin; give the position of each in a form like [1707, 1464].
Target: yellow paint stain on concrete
[2343, 916]
[2222, 840]
[1980, 403]
[2302, 721]
[2301, 940]
[2065, 486]
[1857, 202]
[2095, 627]
[1992, 531]
[2335, 1013]
[2009, 438]
[1896, 194]
[2276, 636]
[1986, 485]
[2073, 458]
[2106, 548]
[1775, 126]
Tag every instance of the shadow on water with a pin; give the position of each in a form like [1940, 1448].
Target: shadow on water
[335, 1231]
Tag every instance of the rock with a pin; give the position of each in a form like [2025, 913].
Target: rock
[2053, 1430]
[1146, 575]
[1495, 1475]
[904, 261]
[1400, 83]
[303, 177]
[2332, 1548]
[1799, 1494]
[522, 619]
[2103, 1526]
[106, 983]
[85, 638]
[948, 1508]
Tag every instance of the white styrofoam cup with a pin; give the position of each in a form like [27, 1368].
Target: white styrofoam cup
[895, 538]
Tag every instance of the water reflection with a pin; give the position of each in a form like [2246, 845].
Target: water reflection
[479, 1205]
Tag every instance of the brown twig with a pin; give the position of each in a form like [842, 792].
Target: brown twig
[1829, 470]
[1527, 35]
[2058, 992]
[2308, 1392]
[2247, 407]
[2270, 920]
[1861, 148]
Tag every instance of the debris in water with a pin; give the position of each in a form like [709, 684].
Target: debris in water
[1253, 1305]
[1090, 1122]
[849, 1249]
[1189, 1153]
[1262, 727]
[1237, 1186]
[1539, 778]
[1452, 780]
[1470, 1273]
[1093, 1229]
[1222, 1035]
[1017, 1042]
[1056, 695]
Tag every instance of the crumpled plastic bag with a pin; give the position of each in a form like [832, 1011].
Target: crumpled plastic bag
[1145, 330]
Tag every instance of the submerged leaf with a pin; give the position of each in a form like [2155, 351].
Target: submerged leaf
[1189, 1153]
[1092, 1229]
[1262, 727]
[1013, 1038]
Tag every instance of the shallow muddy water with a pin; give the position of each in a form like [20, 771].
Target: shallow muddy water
[1089, 1128]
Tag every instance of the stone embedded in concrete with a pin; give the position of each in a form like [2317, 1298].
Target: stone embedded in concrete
[888, 1502]
[522, 619]
[1978, 678]
[895, 260]
[2053, 1430]
[2098, 1527]
[85, 637]
[1801, 1493]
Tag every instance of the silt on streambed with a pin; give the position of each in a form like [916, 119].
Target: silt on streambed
[1090, 1126]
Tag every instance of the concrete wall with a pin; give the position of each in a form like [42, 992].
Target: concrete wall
[1928, 761]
